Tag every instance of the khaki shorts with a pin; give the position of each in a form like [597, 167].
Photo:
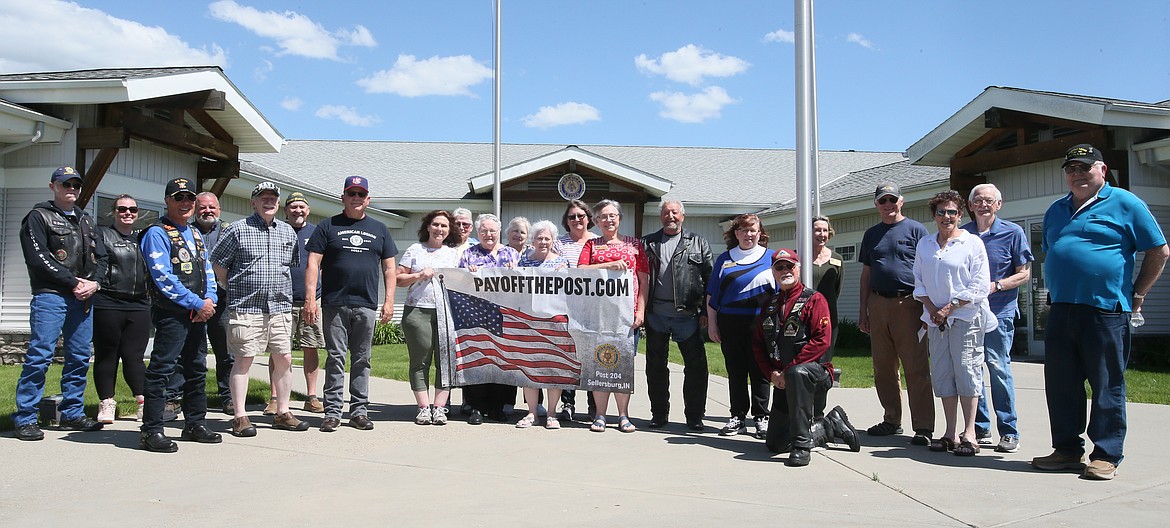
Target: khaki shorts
[249, 335]
[306, 335]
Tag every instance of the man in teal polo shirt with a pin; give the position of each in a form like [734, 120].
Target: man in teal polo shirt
[1091, 238]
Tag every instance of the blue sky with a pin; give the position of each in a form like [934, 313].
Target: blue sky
[674, 73]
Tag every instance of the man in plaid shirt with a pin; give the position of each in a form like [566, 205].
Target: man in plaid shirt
[253, 258]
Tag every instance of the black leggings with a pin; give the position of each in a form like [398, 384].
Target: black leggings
[119, 334]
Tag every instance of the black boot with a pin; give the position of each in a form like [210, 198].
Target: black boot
[840, 428]
[799, 457]
[820, 433]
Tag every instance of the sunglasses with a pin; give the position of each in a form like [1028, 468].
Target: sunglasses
[947, 212]
[360, 194]
[783, 266]
[886, 199]
[184, 197]
[124, 209]
[70, 185]
[1077, 167]
[577, 216]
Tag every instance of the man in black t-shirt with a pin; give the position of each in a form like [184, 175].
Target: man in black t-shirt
[345, 251]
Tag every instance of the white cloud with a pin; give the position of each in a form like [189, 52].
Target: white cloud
[88, 38]
[291, 103]
[360, 36]
[348, 115]
[856, 38]
[692, 108]
[434, 76]
[261, 72]
[293, 33]
[780, 35]
[690, 64]
[562, 114]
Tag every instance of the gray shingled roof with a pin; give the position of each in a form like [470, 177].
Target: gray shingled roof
[442, 170]
[105, 73]
[863, 182]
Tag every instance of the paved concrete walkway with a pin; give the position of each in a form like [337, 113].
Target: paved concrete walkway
[401, 474]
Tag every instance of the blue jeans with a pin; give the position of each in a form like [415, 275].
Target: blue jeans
[348, 328]
[51, 315]
[179, 344]
[217, 335]
[1082, 344]
[997, 353]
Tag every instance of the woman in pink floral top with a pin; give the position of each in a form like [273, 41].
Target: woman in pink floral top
[613, 251]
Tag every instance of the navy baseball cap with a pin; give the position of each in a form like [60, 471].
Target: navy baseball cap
[356, 181]
[64, 174]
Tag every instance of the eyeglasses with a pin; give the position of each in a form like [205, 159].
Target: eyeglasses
[125, 209]
[360, 194]
[947, 212]
[184, 197]
[783, 266]
[463, 225]
[886, 199]
[577, 216]
[1077, 167]
[489, 231]
[70, 185]
[609, 216]
[983, 201]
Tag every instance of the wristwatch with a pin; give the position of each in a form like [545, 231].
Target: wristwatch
[954, 303]
[998, 286]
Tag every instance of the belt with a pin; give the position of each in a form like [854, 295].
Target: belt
[895, 294]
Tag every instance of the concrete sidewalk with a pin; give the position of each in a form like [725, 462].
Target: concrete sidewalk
[496, 475]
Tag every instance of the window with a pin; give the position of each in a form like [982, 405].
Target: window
[103, 208]
[848, 253]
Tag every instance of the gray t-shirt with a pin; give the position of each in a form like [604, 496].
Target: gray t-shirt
[663, 301]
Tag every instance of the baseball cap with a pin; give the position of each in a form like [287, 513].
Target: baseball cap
[265, 186]
[785, 254]
[64, 174]
[887, 188]
[296, 196]
[179, 185]
[1083, 153]
[356, 181]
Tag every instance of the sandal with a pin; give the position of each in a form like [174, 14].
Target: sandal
[942, 445]
[526, 421]
[552, 423]
[625, 426]
[598, 425]
[966, 448]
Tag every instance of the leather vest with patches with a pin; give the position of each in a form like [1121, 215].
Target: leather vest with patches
[187, 267]
[72, 244]
[786, 337]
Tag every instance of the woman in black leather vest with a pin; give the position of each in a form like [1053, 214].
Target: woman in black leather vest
[121, 315]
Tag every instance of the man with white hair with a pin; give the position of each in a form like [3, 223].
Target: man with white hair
[1009, 258]
[680, 263]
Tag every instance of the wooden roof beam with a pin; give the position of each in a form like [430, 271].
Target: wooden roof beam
[1022, 155]
[1001, 118]
[203, 100]
[93, 175]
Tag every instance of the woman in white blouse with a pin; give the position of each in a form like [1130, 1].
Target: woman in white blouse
[435, 249]
[952, 280]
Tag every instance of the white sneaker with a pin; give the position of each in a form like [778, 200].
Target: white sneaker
[107, 409]
[424, 416]
[439, 415]
[141, 404]
[734, 426]
[761, 427]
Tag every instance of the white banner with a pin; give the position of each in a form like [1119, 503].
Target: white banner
[535, 327]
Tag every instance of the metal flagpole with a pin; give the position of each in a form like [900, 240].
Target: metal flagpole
[806, 136]
[496, 121]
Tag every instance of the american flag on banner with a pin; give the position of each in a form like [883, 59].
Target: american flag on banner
[490, 336]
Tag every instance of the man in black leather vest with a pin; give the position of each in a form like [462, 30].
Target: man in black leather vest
[58, 243]
[183, 296]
